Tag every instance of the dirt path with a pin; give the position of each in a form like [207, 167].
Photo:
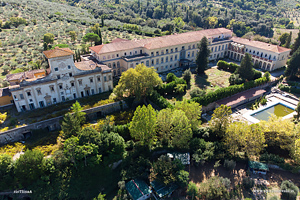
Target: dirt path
[202, 173]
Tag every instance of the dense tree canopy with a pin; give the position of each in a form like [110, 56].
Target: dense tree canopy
[138, 82]
[142, 126]
[293, 64]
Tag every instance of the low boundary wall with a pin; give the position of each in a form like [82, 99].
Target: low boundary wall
[20, 133]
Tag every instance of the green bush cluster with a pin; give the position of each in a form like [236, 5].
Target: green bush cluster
[234, 68]
[174, 85]
[230, 67]
[287, 88]
[228, 91]
[159, 100]
[271, 158]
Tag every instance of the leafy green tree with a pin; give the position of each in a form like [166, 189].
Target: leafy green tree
[91, 37]
[182, 178]
[197, 92]
[293, 64]
[181, 129]
[289, 190]
[246, 70]
[267, 75]
[6, 178]
[142, 126]
[70, 126]
[283, 38]
[298, 110]
[137, 82]
[76, 109]
[244, 137]
[192, 111]
[220, 120]
[215, 188]
[73, 35]
[163, 125]
[166, 170]
[187, 76]
[48, 38]
[288, 41]
[202, 55]
[29, 167]
[88, 135]
[100, 197]
[113, 147]
[192, 190]
[296, 44]
[71, 149]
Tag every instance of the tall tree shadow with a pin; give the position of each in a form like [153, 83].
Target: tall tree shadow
[201, 81]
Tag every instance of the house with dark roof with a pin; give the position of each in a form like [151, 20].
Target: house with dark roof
[258, 167]
[138, 189]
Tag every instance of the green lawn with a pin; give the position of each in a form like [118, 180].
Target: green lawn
[212, 80]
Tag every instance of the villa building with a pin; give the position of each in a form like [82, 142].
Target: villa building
[63, 80]
[172, 51]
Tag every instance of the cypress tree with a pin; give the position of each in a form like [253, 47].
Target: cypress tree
[293, 64]
[246, 70]
[202, 55]
[296, 44]
[288, 40]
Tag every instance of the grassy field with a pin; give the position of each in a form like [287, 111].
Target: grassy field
[212, 80]
[279, 31]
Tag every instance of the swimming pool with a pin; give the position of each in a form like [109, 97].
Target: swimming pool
[279, 109]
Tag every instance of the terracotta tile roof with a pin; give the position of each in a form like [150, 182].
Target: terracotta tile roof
[30, 74]
[58, 52]
[261, 45]
[4, 92]
[159, 42]
[24, 75]
[118, 40]
[237, 98]
[90, 65]
[17, 76]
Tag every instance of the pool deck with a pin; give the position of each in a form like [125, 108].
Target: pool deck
[273, 100]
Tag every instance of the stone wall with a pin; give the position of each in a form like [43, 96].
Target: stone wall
[20, 133]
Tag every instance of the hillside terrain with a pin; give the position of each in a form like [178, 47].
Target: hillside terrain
[24, 23]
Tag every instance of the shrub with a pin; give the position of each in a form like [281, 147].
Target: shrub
[228, 91]
[267, 75]
[271, 158]
[187, 75]
[289, 190]
[231, 67]
[171, 77]
[229, 164]
[248, 183]
[197, 92]
[257, 74]
[192, 190]
[182, 177]
[160, 101]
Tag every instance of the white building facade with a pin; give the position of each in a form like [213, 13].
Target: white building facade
[172, 51]
[64, 80]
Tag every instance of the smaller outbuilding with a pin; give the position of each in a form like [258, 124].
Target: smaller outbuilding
[183, 157]
[162, 190]
[258, 167]
[138, 189]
